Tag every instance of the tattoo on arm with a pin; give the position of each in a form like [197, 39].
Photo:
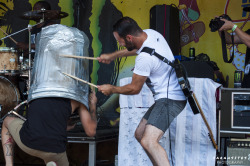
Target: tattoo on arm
[9, 145]
[9, 149]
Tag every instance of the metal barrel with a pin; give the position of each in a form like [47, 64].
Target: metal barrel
[47, 78]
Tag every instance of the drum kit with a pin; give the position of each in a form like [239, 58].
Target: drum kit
[13, 66]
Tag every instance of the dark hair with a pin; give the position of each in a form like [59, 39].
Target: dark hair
[44, 4]
[126, 26]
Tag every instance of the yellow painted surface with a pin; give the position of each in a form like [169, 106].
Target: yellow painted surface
[209, 43]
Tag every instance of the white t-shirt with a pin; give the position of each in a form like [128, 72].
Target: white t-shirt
[162, 79]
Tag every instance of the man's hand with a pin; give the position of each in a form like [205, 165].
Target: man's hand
[106, 89]
[228, 25]
[105, 58]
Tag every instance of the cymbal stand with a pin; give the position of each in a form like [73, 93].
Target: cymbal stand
[29, 69]
[29, 72]
[21, 61]
[21, 30]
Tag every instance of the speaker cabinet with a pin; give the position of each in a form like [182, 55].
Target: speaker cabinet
[165, 20]
[238, 152]
[198, 69]
[235, 111]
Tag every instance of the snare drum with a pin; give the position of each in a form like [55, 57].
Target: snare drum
[9, 95]
[8, 61]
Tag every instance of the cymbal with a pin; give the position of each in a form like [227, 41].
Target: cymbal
[44, 14]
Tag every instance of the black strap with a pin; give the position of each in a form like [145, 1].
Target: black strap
[224, 48]
[151, 51]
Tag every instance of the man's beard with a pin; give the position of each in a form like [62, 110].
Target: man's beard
[129, 45]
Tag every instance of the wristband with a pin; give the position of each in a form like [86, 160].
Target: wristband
[234, 27]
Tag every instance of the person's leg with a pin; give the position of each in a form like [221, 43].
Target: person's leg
[142, 125]
[7, 141]
[150, 143]
[140, 130]
[139, 133]
[60, 159]
[160, 117]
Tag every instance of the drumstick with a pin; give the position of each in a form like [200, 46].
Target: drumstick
[9, 36]
[80, 57]
[80, 80]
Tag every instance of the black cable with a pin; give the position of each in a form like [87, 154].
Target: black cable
[168, 120]
[152, 52]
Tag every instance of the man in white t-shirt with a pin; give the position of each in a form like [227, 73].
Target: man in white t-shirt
[160, 78]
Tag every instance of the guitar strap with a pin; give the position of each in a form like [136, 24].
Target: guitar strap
[224, 48]
[182, 77]
[151, 51]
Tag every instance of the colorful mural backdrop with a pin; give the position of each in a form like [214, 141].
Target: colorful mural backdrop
[96, 17]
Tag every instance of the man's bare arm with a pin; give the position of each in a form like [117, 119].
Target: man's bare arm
[88, 117]
[109, 57]
[240, 36]
[130, 89]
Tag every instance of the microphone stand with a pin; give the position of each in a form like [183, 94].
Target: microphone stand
[30, 27]
[29, 73]
[20, 31]
[29, 68]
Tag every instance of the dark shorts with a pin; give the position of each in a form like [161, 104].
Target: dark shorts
[163, 112]
[14, 129]
[45, 129]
